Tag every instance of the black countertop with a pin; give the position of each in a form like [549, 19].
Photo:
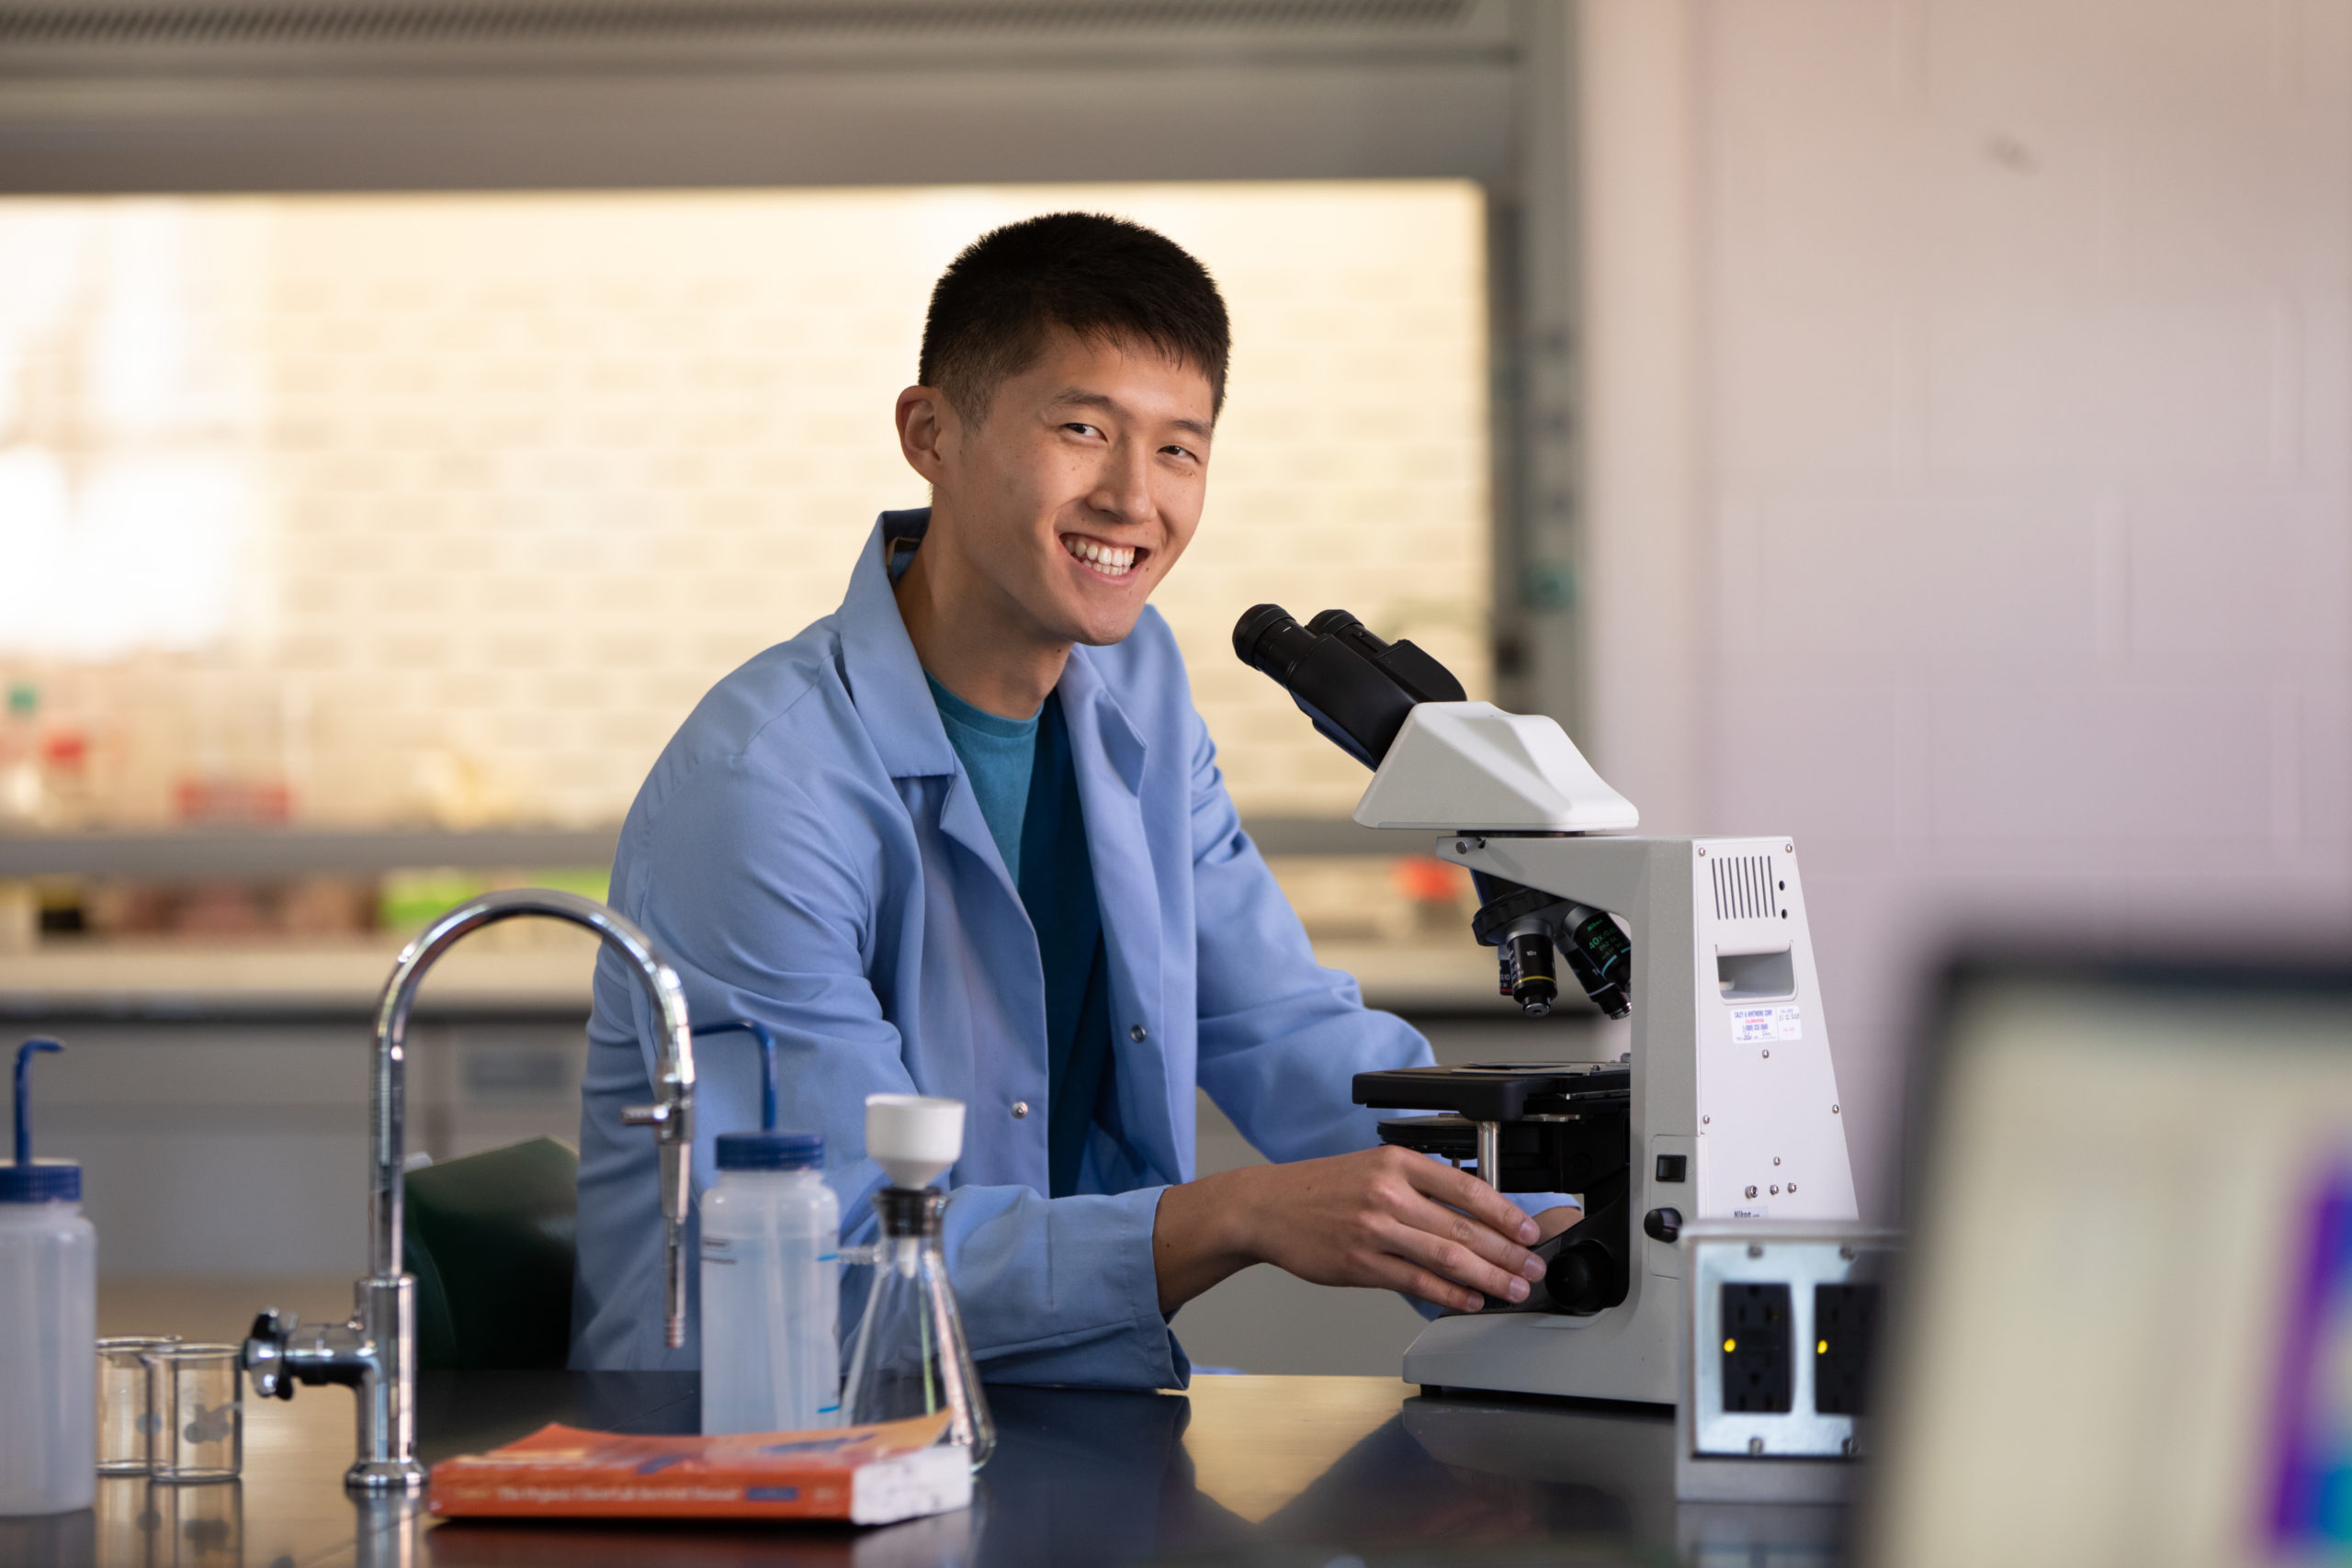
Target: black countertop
[1248, 1471]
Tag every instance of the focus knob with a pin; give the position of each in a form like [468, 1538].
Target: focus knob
[1581, 1277]
[1662, 1224]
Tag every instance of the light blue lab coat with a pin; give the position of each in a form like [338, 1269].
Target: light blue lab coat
[809, 853]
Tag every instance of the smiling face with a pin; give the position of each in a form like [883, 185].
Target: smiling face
[1056, 517]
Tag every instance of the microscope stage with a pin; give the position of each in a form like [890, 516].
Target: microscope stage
[1496, 1093]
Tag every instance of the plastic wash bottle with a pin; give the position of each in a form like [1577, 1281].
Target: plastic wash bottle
[48, 1328]
[771, 1280]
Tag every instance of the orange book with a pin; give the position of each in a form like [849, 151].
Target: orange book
[867, 1475]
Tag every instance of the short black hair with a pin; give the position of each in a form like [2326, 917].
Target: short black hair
[1100, 277]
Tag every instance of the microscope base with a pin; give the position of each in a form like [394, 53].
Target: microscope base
[1628, 1353]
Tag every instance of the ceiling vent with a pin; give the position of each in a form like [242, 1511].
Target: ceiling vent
[366, 22]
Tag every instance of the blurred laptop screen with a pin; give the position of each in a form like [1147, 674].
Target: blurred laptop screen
[2128, 1326]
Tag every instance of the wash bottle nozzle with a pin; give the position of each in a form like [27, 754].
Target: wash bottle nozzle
[766, 1149]
[28, 1180]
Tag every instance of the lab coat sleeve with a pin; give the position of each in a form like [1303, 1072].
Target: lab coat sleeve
[768, 903]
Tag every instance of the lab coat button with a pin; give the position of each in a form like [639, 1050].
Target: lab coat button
[1138, 1033]
[1020, 1109]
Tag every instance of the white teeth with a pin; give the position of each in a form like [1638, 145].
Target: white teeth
[1111, 560]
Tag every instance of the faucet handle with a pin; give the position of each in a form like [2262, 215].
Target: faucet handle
[264, 1354]
[645, 1115]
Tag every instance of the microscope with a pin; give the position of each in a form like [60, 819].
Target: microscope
[1724, 1114]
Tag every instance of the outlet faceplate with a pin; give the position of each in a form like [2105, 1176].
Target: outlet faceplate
[1770, 1376]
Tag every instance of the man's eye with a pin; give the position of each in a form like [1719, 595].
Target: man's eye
[1082, 429]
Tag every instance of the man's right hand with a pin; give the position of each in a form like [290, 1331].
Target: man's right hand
[1386, 1218]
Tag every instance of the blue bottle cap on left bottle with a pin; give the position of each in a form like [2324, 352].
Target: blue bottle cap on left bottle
[771, 1151]
[29, 1181]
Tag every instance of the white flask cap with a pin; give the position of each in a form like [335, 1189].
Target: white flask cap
[913, 1137]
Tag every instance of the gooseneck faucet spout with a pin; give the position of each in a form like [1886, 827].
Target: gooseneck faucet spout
[375, 1352]
[670, 1115]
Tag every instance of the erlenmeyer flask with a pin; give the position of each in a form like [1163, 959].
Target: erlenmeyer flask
[910, 1358]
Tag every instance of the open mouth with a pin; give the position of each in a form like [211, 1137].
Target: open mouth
[1116, 563]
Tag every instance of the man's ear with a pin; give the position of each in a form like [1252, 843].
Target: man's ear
[927, 430]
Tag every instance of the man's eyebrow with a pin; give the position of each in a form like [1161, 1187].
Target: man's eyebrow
[1081, 397]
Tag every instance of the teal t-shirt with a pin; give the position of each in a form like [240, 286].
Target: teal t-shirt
[1022, 772]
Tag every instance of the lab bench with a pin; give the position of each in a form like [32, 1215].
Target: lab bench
[1246, 1470]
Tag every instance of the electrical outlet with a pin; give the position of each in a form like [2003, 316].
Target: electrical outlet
[1844, 1324]
[1759, 1377]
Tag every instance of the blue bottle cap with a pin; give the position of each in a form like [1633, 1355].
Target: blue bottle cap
[771, 1151]
[29, 1181]
[43, 1181]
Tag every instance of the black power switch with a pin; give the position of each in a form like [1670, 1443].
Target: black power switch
[1674, 1167]
[1845, 1322]
[1758, 1374]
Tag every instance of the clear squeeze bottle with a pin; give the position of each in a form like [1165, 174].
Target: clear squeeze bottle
[771, 1278]
[48, 1328]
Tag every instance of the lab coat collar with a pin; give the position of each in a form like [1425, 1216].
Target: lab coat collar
[894, 701]
[879, 663]
[886, 678]
[1090, 707]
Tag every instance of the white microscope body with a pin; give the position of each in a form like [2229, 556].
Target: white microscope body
[1734, 1112]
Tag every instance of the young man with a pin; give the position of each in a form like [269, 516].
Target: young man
[966, 837]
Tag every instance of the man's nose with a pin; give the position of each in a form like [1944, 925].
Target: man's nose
[1122, 490]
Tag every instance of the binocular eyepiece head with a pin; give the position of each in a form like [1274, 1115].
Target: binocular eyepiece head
[1359, 691]
[1356, 688]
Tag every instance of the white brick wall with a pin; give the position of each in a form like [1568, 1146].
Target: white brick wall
[539, 469]
[2023, 439]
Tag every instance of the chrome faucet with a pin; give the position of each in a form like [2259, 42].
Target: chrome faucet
[375, 1351]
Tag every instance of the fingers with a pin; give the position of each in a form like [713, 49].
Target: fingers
[1396, 1274]
[1472, 1215]
[1471, 1233]
[1461, 1191]
[1510, 1261]
[1395, 1220]
[1455, 1246]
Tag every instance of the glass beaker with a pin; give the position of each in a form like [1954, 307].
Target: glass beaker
[126, 1418]
[910, 1358]
[195, 1395]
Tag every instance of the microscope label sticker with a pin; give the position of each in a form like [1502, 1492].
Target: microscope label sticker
[1753, 1026]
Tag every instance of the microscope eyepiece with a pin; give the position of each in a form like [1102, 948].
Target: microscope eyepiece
[1423, 678]
[1355, 687]
[1266, 637]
